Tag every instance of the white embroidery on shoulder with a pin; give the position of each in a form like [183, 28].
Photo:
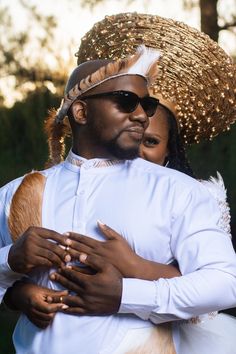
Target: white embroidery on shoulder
[216, 187]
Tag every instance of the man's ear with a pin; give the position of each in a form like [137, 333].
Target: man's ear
[79, 111]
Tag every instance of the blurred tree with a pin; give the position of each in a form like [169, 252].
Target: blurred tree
[213, 18]
[22, 139]
[28, 60]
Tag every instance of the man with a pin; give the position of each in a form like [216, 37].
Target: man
[163, 214]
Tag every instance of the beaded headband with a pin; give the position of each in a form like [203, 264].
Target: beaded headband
[142, 63]
[197, 79]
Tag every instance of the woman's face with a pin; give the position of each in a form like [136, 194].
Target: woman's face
[154, 146]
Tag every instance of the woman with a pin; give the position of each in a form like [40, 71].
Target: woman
[162, 144]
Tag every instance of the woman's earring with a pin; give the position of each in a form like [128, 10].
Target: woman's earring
[166, 162]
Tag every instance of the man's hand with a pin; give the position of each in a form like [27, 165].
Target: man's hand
[97, 294]
[39, 304]
[35, 248]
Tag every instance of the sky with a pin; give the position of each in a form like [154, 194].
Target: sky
[74, 21]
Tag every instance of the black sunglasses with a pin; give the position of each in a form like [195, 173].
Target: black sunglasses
[128, 101]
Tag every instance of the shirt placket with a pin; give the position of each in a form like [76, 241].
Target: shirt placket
[79, 219]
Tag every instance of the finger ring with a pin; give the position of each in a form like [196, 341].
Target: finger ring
[61, 299]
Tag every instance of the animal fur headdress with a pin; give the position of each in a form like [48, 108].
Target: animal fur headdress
[142, 63]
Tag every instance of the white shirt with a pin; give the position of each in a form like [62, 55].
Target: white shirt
[163, 214]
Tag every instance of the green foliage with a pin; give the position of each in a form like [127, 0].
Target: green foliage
[22, 141]
[28, 60]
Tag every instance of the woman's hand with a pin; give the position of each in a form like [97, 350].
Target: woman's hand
[116, 251]
[39, 304]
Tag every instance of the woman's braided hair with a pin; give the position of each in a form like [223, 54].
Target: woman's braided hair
[177, 158]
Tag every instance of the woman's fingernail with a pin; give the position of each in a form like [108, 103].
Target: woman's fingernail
[66, 234]
[52, 276]
[68, 266]
[83, 257]
[68, 242]
[67, 258]
[49, 299]
[64, 307]
[100, 223]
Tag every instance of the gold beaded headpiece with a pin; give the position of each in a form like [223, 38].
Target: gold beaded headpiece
[197, 79]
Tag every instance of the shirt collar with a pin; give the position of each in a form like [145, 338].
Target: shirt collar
[78, 161]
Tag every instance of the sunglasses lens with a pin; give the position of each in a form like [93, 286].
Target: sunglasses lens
[149, 105]
[126, 101]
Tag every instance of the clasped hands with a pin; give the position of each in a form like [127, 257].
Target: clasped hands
[95, 289]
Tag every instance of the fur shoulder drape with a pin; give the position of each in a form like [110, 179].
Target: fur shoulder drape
[26, 205]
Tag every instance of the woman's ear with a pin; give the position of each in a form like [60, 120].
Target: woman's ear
[79, 112]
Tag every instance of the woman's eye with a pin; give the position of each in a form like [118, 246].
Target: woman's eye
[150, 142]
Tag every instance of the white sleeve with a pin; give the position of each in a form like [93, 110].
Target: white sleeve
[7, 276]
[206, 259]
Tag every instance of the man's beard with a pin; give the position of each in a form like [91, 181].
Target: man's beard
[121, 153]
[112, 146]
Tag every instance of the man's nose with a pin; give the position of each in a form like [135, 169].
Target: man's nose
[140, 115]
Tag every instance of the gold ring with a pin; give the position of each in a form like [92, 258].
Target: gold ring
[61, 298]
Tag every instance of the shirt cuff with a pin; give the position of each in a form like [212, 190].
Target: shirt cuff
[7, 276]
[139, 302]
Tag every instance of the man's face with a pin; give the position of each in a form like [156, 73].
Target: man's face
[111, 131]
